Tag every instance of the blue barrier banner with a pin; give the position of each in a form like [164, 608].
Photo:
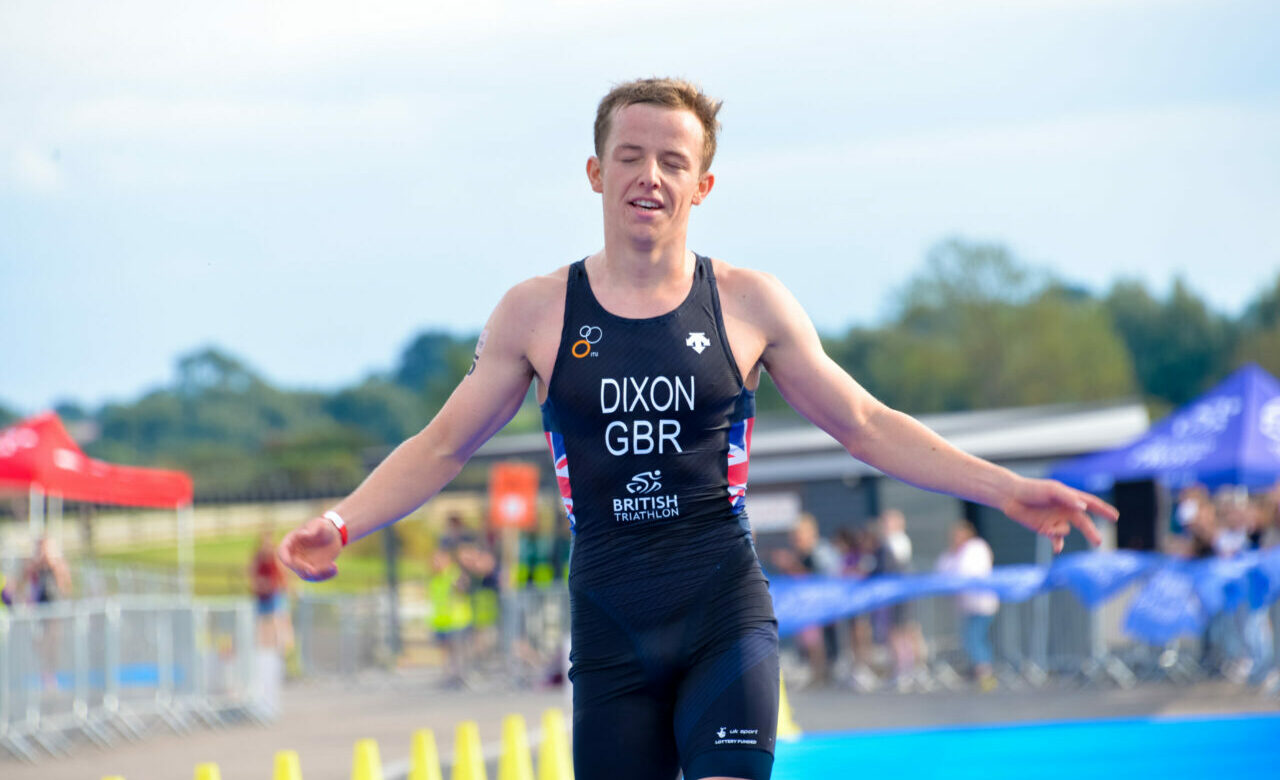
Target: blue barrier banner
[1264, 579]
[1221, 582]
[1167, 606]
[1096, 577]
[1178, 598]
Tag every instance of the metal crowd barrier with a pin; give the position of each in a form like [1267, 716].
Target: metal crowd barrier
[342, 634]
[1050, 639]
[347, 635]
[98, 579]
[103, 671]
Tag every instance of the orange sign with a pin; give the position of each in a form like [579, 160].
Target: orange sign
[513, 493]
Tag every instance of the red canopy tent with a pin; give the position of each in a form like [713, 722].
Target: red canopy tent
[39, 457]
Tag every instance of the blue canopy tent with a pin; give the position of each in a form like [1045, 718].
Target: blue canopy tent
[1228, 436]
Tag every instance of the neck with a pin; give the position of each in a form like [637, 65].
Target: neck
[646, 264]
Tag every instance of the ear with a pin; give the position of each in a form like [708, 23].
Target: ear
[705, 182]
[594, 174]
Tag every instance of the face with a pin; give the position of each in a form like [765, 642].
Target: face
[804, 536]
[651, 174]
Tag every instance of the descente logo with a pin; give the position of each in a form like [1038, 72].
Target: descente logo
[697, 341]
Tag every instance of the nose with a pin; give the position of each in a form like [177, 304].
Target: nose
[650, 174]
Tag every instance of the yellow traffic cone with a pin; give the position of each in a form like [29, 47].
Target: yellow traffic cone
[287, 766]
[788, 729]
[208, 772]
[555, 758]
[424, 758]
[468, 758]
[366, 765]
[515, 763]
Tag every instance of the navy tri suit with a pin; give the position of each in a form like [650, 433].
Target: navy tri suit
[674, 654]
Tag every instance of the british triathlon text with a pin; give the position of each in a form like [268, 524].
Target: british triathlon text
[630, 395]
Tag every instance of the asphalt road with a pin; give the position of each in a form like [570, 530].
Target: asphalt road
[323, 719]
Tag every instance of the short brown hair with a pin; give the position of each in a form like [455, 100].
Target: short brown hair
[672, 93]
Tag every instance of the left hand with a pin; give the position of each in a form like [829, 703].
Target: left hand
[1051, 508]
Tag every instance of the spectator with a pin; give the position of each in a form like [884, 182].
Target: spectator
[480, 568]
[857, 559]
[970, 556]
[450, 615]
[1237, 523]
[1269, 518]
[267, 580]
[47, 577]
[906, 641]
[1192, 500]
[811, 554]
[456, 533]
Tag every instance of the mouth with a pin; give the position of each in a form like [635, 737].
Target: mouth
[645, 204]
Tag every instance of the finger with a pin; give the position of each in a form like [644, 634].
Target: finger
[1057, 530]
[1097, 506]
[314, 575]
[1086, 526]
[1068, 497]
[1058, 544]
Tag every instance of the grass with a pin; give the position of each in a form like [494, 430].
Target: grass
[221, 566]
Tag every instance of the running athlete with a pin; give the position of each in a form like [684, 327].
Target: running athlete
[646, 357]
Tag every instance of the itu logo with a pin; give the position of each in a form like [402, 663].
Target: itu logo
[590, 336]
[645, 482]
[697, 341]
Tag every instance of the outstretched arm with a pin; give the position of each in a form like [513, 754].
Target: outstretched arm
[894, 442]
[484, 401]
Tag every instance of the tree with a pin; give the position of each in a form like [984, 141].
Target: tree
[383, 411]
[977, 329]
[1260, 331]
[1179, 346]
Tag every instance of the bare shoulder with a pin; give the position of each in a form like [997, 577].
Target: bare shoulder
[757, 296]
[536, 293]
[528, 319]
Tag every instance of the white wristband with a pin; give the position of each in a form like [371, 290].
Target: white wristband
[338, 523]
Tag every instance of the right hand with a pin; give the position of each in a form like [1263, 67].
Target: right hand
[310, 549]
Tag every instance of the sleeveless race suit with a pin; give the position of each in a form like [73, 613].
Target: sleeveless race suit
[674, 655]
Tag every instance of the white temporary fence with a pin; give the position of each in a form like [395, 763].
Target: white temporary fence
[105, 670]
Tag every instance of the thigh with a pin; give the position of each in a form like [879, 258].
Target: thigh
[622, 726]
[727, 709]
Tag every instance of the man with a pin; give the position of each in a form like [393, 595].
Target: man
[906, 641]
[645, 357]
[971, 556]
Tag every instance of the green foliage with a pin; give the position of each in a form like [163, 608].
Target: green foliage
[977, 330]
[1179, 346]
[383, 411]
[433, 364]
[1260, 326]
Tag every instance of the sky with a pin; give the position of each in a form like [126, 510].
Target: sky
[310, 184]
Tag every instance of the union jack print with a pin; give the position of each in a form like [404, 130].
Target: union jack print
[561, 460]
[739, 457]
